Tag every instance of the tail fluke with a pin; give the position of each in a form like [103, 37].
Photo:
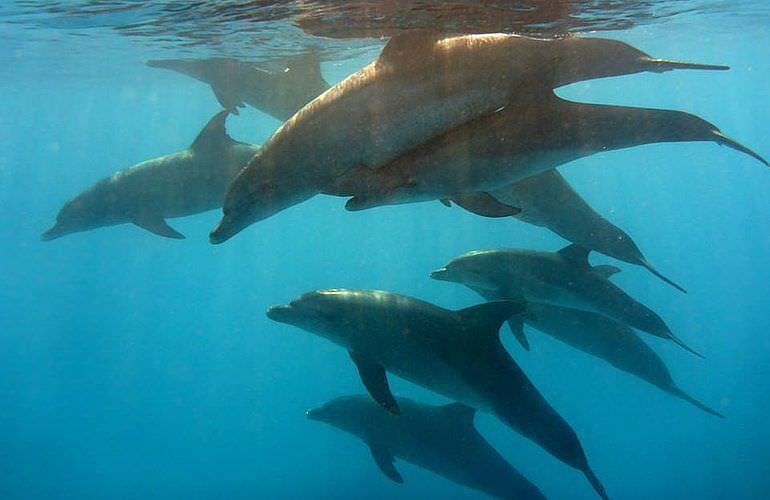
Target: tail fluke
[731, 143]
[676, 391]
[654, 271]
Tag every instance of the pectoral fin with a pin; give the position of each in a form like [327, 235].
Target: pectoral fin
[375, 380]
[385, 186]
[158, 225]
[485, 205]
[384, 460]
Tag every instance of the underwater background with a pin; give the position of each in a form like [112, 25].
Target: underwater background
[133, 366]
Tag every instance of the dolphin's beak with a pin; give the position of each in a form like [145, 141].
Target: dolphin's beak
[282, 314]
[223, 232]
[56, 231]
[314, 414]
[660, 65]
[440, 274]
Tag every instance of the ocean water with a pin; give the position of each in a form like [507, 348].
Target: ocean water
[134, 366]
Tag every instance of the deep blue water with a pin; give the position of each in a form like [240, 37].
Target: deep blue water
[133, 366]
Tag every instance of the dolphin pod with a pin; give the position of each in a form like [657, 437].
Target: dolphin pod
[441, 439]
[457, 354]
[471, 120]
[422, 85]
[563, 278]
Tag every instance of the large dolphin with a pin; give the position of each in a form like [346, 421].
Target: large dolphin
[547, 200]
[421, 85]
[441, 439]
[537, 132]
[278, 93]
[604, 338]
[563, 278]
[179, 184]
[456, 354]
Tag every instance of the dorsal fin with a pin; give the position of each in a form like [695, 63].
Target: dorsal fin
[576, 254]
[606, 271]
[409, 48]
[487, 318]
[459, 413]
[214, 135]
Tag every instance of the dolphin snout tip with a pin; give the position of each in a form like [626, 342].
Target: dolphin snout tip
[52, 233]
[277, 313]
[313, 414]
[219, 234]
[439, 274]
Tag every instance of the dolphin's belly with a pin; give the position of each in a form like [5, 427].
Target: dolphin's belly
[180, 184]
[368, 128]
[424, 368]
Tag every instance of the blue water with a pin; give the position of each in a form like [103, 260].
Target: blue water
[133, 366]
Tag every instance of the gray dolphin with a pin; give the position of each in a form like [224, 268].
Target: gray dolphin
[441, 439]
[604, 338]
[278, 93]
[547, 200]
[563, 278]
[179, 184]
[537, 132]
[420, 86]
[456, 354]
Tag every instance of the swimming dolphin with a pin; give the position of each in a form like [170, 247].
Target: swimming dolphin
[537, 132]
[547, 200]
[563, 278]
[179, 184]
[441, 439]
[604, 338]
[420, 86]
[278, 93]
[456, 354]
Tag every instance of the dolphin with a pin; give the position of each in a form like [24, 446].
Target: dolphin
[441, 439]
[420, 86]
[536, 133]
[547, 200]
[604, 338]
[176, 185]
[563, 278]
[235, 83]
[457, 354]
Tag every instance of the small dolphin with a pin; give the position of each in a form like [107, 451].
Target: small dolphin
[604, 338]
[547, 200]
[279, 93]
[422, 85]
[183, 183]
[564, 278]
[441, 439]
[536, 133]
[456, 354]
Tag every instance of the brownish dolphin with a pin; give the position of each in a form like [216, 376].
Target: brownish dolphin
[547, 200]
[422, 85]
